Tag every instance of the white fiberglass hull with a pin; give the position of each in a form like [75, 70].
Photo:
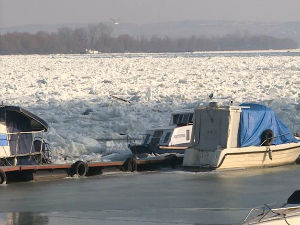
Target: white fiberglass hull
[280, 220]
[252, 156]
[288, 220]
[290, 216]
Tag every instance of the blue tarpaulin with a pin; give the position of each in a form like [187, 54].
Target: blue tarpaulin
[258, 118]
[3, 140]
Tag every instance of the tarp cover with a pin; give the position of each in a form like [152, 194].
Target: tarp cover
[258, 118]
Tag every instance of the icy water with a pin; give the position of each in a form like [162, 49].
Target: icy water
[159, 197]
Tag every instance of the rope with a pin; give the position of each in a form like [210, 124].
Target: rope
[284, 216]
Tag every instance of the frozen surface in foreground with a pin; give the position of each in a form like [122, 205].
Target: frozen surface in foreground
[62, 88]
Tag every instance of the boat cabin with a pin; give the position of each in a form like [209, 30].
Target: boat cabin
[238, 126]
[174, 138]
[21, 136]
[178, 133]
[216, 127]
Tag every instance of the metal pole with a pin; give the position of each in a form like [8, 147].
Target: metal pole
[41, 149]
[16, 152]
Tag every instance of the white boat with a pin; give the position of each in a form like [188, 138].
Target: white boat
[285, 214]
[249, 135]
[175, 138]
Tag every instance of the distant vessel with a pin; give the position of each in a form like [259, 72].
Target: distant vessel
[249, 135]
[287, 213]
[175, 138]
[91, 51]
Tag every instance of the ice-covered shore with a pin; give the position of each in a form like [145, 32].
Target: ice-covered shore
[73, 93]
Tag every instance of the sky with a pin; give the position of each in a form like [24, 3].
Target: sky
[32, 12]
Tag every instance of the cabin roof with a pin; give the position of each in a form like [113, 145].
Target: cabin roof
[37, 123]
[183, 111]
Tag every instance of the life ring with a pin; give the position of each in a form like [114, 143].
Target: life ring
[267, 137]
[129, 165]
[2, 177]
[79, 168]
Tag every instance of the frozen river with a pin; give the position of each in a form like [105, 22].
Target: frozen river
[74, 94]
[164, 197]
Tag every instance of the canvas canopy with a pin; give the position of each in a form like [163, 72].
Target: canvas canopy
[36, 123]
[255, 119]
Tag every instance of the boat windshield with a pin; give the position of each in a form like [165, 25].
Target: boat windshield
[182, 119]
[270, 210]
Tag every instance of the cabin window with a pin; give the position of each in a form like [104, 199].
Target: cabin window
[175, 118]
[167, 137]
[185, 118]
[180, 119]
[147, 138]
[187, 135]
[157, 133]
[2, 115]
[191, 115]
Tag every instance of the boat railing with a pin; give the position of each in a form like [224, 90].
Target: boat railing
[262, 212]
[26, 143]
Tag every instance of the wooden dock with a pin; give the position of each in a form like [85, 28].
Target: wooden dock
[17, 173]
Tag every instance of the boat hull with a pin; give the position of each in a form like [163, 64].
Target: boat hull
[253, 156]
[291, 220]
[290, 216]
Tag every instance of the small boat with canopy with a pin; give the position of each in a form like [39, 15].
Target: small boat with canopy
[22, 137]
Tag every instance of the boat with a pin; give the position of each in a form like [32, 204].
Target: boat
[175, 138]
[22, 137]
[287, 213]
[248, 135]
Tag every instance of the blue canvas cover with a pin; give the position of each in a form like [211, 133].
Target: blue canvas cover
[258, 118]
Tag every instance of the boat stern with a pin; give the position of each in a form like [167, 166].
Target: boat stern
[201, 159]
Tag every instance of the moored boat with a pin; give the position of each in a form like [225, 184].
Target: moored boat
[287, 213]
[22, 137]
[175, 138]
[249, 135]
[25, 155]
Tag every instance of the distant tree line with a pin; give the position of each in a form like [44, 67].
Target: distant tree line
[100, 37]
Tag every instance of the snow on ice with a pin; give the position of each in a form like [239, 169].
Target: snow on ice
[75, 93]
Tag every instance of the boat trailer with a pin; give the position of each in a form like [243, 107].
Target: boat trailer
[9, 174]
